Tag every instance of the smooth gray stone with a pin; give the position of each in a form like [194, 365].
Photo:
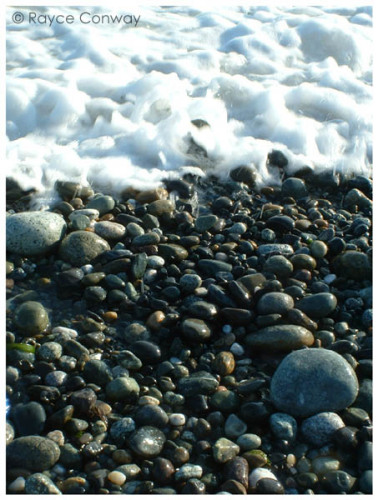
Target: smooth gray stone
[80, 247]
[311, 381]
[147, 441]
[34, 233]
[319, 429]
[34, 453]
[318, 305]
[275, 303]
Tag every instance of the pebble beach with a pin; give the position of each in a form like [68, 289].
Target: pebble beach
[189, 250]
[204, 337]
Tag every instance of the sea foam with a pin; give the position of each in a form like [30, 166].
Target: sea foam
[112, 104]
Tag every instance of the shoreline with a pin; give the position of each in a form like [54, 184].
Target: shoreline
[157, 287]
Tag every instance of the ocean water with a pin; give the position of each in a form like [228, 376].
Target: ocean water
[107, 96]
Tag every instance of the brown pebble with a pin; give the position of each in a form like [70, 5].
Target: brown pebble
[255, 458]
[267, 191]
[110, 316]
[155, 319]
[163, 470]
[302, 224]
[152, 195]
[44, 281]
[83, 400]
[107, 217]
[102, 408]
[89, 229]
[237, 469]
[180, 456]
[321, 223]
[233, 487]
[77, 203]
[224, 363]
[56, 436]
[71, 482]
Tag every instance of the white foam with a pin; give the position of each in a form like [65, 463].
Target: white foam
[111, 105]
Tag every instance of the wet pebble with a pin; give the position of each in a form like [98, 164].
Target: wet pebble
[50, 351]
[117, 478]
[279, 265]
[28, 418]
[353, 264]
[31, 317]
[40, 484]
[189, 282]
[203, 310]
[294, 188]
[280, 338]
[225, 450]
[121, 429]
[275, 249]
[122, 389]
[237, 469]
[172, 252]
[147, 352]
[224, 363]
[283, 426]
[110, 230]
[338, 482]
[318, 305]
[34, 453]
[97, 371]
[83, 400]
[258, 474]
[80, 247]
[319, 429]
[147, 441]
[149, 413]
[56, 378]
[195, 330]
[210, 268]
[200, 382]
[163, 470]
[34, 233]
[248, 442]
[188, 471]
[311, 381]
[102, 203]
[205, 222]
[275, 303]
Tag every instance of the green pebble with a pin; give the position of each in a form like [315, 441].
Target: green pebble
[32, 318]
[318, 249]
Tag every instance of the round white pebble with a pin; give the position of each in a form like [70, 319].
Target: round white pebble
[68, 331]
[260, 473]
[177, 419]
[117, 477]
